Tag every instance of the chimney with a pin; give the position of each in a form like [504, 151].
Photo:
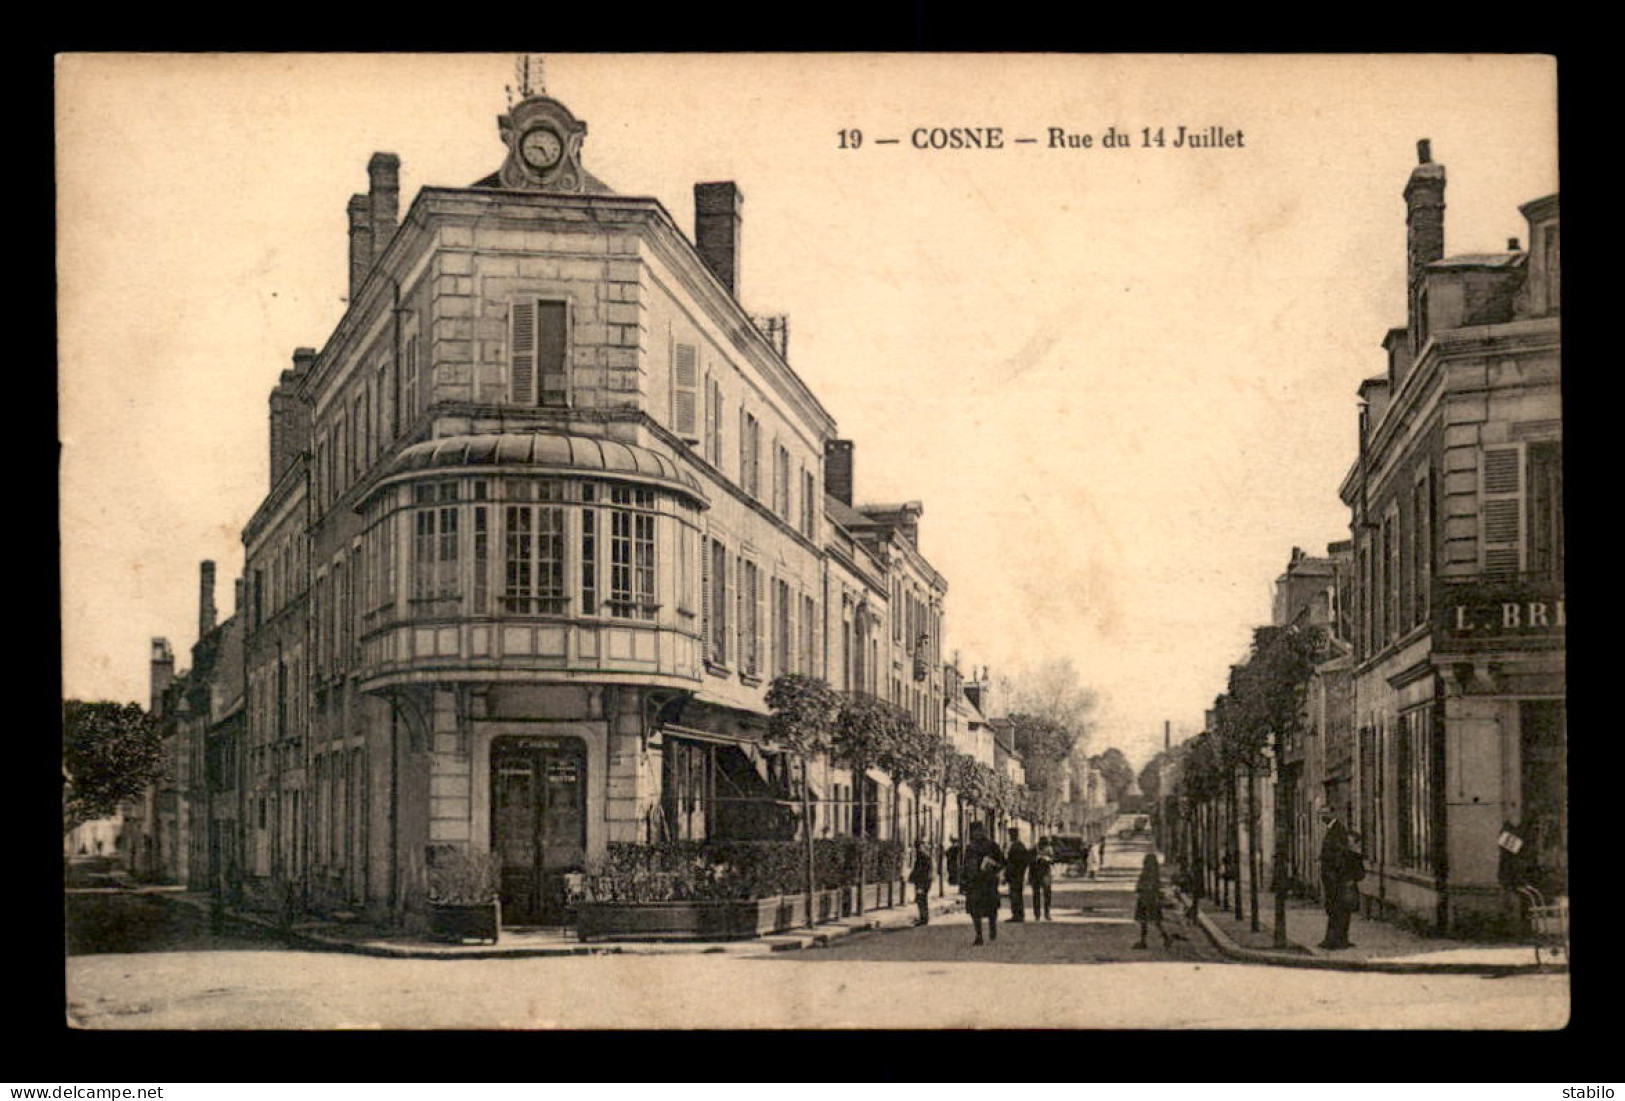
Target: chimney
[290, 417]
[237, 597]
[383, 198]
[360, 243]
[716, 230]
[1424, 230]
[162, 672]
[206, 610]
[838, 470]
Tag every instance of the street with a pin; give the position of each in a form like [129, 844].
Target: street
[1079, 971]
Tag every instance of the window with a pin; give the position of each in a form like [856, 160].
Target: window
[685, 392]
[782, 639]
[1546, 508]
[1422, 547]
[714, 607]
[535, 560]
[1413, 763]
[1501, 510]
[809, 501]
[750, 624]
[386, 407]
[538, 352]
[409, 381]
[632, 554]
[809, 637]
[434, 544]
[781, 482]
[713, 423]
[750, 457]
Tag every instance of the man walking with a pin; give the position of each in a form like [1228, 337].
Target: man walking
[979, 878]
[1039, 873]
[1016, 859]
[1340, 868]
[921, 878]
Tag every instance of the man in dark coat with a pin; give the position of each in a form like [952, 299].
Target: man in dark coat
[1017, 857]
[920, 876]
[1338, 863]
[979, 875]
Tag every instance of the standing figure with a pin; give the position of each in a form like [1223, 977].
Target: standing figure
[1018, 856]
[980, 878]
[1040, 873]
[1148, 899]
[956, 852]
[920, 876]
[1340, 869]
[1099, 861]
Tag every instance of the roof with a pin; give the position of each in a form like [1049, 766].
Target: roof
[1480, 260]
[557, 451]
[844, 514]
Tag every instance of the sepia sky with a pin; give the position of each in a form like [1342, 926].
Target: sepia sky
[1121, 381]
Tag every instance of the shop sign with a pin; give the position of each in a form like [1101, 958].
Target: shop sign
[1484, 611]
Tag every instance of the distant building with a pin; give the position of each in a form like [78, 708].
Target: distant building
[1456, 504]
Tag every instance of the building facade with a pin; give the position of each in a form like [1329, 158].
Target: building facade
[1459, 718]
[548, 512]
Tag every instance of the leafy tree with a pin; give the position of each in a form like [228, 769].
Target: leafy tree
[110, 753]
[1150, 778]
[1116, 771]
[804, 711]
[1044, 745]
[1053, 690]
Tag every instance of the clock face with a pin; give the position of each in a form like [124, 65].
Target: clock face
[541, 147]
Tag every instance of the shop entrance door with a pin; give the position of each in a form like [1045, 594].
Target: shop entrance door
[1545, 792]
[538, 824]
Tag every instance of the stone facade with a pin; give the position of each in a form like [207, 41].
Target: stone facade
[1458, 671]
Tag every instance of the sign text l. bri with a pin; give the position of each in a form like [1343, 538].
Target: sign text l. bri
[1508, 617]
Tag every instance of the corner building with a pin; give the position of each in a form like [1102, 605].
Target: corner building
[1459, 714]
[547, 515]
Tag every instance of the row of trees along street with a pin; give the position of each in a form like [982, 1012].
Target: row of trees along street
[1261, 710]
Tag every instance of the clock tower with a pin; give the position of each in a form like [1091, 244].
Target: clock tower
[544, 142]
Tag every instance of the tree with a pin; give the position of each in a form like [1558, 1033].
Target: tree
[110, 753]
[1044, 745]
[1150, 778]
[804, 709]
[1116, 771]
[1053, 690]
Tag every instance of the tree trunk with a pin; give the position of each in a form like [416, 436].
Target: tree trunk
[1279, 860]
[1235, 843]
[1252, 848]
[807, 828]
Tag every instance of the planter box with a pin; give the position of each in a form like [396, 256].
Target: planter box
[725, 919]
[703, 920]
[472, 921]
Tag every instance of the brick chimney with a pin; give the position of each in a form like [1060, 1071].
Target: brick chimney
[717, 222]
[162, 672]
[360, 212]
[206, 612]
[383, 198]
[838, 470]
[290, 417]
[1424, 231]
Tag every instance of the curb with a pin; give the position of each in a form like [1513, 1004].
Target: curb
[1231, 949]
[817, 937]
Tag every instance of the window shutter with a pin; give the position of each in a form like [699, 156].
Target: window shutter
[705, 598]
[759, 594]
[522, 354]
[685, 386]
[1501, 509]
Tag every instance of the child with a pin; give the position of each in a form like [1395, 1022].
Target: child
[1148, 900]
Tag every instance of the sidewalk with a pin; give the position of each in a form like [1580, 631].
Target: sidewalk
[370, 940]
[1377, 945]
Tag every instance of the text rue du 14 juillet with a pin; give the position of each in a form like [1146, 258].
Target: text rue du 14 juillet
[1054, 137]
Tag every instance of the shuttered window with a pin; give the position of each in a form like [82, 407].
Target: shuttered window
[1545, 494]
[1501, 510]
[685, 392]
[538, 353]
